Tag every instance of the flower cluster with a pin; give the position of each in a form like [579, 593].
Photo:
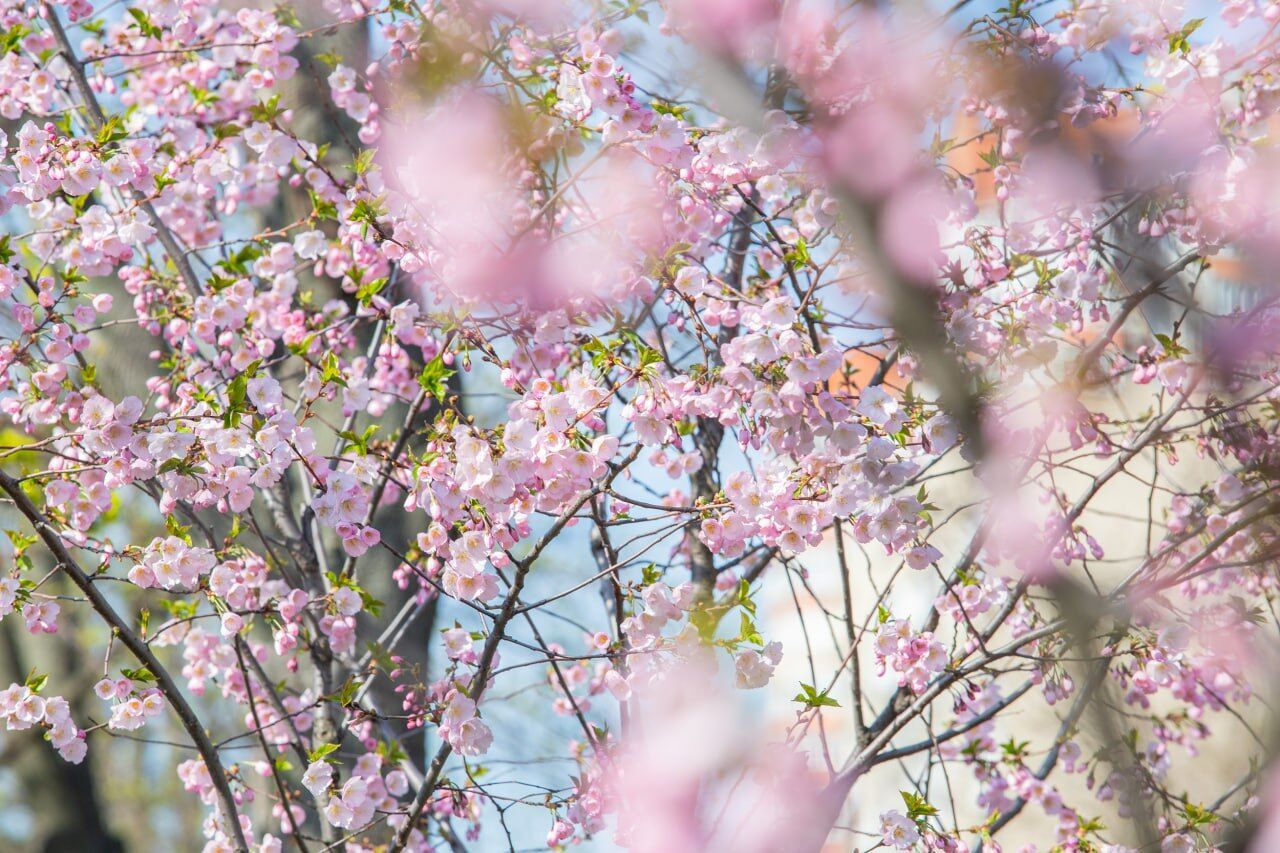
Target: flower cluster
[914, 657]
[23, 708]
[132, 707]
[491, 367]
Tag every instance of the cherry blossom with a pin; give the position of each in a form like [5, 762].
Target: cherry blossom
[437, 419]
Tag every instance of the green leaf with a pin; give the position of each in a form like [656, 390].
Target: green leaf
[1016, 749]
[747, 632]
[347, 694]
[236, 392]
[179, 465]
[285, 15]
[1179, 41]
[371, 604]
[113, 128]
[1171, 346]
[21, 541]
[322, 752]
[36, 681]
[434, 376]
[331, 370]
[239, 261]
[798, 256]
[917, 806]
[1197, 815]
[12, 38]
[145, 26]
[141, 674]
[175, 529]
[362, 162]
[322, 209]
[667, 108]
[810, 697]
[366, 212]
[360, 442]
[268, 110]
[303, 346]
[391, 752]
[366, 292]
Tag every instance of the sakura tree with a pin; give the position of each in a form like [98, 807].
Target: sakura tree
[696, 425]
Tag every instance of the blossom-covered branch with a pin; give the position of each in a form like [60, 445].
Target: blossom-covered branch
[684, 425]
